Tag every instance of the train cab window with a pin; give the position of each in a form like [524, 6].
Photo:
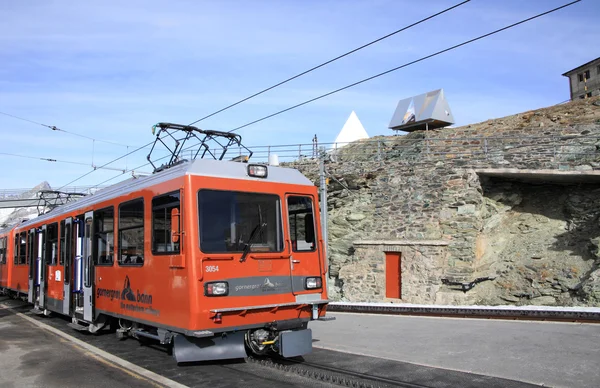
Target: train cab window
[3, 250]
[131, 233]
[230, 220]
[104, 244]
[302, 224]
[162, 207]
[52, 244]
[23, 248]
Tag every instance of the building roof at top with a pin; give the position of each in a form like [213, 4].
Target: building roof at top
[567, 73]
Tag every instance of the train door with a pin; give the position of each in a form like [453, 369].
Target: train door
[303, 244]
[88, 268]
[43, 267]
[67, 259]
[34, 284]
[77, 229]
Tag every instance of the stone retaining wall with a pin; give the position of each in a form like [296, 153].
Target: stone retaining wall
[425, 186]
[364, 278]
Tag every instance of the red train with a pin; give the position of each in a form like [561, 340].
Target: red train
[213, 257]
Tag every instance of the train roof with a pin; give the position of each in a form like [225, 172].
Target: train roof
[200, 167]
[8, 229]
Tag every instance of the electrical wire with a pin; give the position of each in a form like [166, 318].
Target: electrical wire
[361, 81]
[119, 158]
[406, 65]
[307, 71]
[331, 60]
[57, 161]
[106, 164]
[54, 128]
[44, 159]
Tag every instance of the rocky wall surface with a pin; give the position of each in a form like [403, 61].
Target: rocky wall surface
[426, 186]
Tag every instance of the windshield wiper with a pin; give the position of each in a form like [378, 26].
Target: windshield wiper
[255, 232]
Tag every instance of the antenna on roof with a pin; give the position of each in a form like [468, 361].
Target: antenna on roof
[220, 140]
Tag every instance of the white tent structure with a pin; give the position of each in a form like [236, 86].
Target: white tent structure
[353, 130]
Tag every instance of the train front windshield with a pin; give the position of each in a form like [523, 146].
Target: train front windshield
[231, 220]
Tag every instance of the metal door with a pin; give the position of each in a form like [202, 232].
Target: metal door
[31, 258]
[68, 262]
[43, 266]
[88, 269]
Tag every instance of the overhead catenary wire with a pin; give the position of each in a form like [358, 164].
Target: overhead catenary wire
[55, 128]
[121, 157]
[106, 164]
[331, 60]
[44, 159]
[143, 165]
[366, 79]
[53, 160]
[288, 79]
[405, 65]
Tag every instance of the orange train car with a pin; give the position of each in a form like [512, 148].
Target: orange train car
[13, 263]
[6, 241]
[216, 258]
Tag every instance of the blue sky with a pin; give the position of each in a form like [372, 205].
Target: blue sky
[111, 69]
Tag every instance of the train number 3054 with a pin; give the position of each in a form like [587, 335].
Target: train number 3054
[211, 268]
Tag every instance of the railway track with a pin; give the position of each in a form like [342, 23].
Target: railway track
[532, 313]
[321, 368]
[355, 371]
[337, 376]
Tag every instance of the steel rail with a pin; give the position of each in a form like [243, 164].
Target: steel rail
[529, 313]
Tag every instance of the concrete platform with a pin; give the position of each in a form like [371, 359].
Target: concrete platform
[35, 357]
[542, 353]
[39, 351]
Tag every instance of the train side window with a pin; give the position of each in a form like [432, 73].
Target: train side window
[68, 259]
[3, 250]
[162, 206]
[52, 244]
[104, 244]
[16, 251]
[32, 249]
[302, 224]
[131, 233]
[63, 250]
[23, 248]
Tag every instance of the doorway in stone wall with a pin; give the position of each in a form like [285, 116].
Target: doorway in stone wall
[393, 275]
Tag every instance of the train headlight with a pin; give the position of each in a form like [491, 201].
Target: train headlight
[257, 170]
[216, 289]
[312, 283]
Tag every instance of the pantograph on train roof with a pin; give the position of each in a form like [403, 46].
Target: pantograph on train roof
[50, 199]
[210, 144]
